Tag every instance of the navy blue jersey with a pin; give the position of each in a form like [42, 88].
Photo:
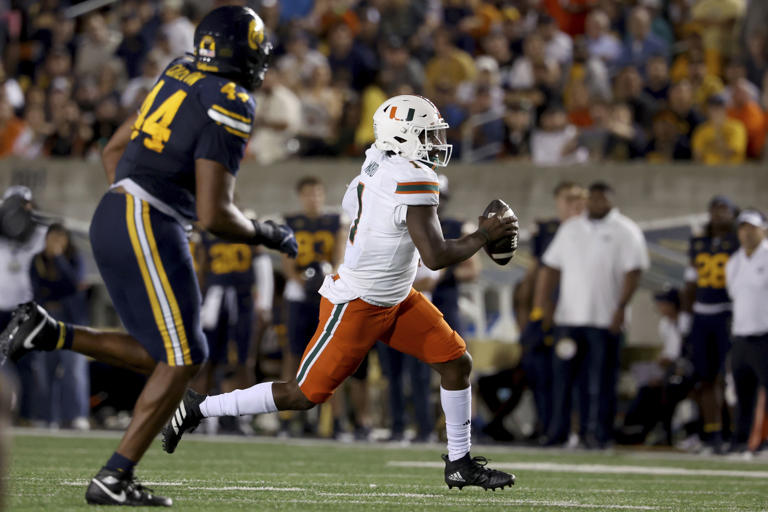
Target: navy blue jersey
[316, 237]
[708, 257]
[186, 116]
[229, 264]
[545, 233]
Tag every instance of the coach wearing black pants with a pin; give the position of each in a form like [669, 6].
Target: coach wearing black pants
[747, 281]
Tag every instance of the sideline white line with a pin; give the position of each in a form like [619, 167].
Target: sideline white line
[597, 468]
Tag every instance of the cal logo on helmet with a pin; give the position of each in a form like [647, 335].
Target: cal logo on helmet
[255, 33]
[207, 47]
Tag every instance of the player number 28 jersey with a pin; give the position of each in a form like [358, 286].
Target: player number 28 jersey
[380, 260]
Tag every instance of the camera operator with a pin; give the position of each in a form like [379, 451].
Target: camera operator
[21, 237]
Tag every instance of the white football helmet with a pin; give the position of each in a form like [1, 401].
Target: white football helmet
[412, 127]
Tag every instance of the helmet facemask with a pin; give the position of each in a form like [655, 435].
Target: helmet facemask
[433, 147]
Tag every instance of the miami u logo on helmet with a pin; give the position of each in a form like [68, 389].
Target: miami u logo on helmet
[393, 114]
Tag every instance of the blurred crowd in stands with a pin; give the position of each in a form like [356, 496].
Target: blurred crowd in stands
[553, 81]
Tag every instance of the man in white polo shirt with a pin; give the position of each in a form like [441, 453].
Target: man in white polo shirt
[598, 258]
[747, 282]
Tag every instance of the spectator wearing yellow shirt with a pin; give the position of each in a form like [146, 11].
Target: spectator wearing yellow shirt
[705, 84]
[448, 65]
[719, 140]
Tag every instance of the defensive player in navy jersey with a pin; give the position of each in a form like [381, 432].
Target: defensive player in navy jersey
[707, 314]
[172, 164]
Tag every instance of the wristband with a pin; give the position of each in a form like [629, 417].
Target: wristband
[536, 314]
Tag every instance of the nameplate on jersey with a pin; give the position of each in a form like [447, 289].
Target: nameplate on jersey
[371, 168]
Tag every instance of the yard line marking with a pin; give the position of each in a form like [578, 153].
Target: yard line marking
[247, 488]
[597, 468]
[505, 503]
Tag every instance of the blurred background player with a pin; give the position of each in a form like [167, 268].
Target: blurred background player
[321, 236]
[229, 273]
[747, 278]
[57, 274]
[706, 317]
[597, 258]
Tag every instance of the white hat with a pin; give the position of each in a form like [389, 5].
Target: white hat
[753, 217]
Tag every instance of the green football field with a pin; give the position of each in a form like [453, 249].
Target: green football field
[51, 472]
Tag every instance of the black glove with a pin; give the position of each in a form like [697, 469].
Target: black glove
[276, 237]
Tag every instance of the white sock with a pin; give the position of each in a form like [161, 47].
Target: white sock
[257, 399]
[457, 406]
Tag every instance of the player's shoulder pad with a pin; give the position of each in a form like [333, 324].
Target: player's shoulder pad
[227, 104]
[413, 177]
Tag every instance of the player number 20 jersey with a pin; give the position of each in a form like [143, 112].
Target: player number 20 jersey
[380, 260]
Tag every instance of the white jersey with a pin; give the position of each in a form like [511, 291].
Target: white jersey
[380, 260]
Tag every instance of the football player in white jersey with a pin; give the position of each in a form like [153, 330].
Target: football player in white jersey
[394, 206]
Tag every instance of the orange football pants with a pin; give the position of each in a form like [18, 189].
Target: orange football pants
[347, 332]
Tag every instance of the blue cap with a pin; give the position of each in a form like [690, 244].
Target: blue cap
[668, 294]
[721, 199]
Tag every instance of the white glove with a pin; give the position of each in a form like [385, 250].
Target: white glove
[684, 322]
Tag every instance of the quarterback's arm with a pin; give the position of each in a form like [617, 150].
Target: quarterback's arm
[115, 147]
[437, 252]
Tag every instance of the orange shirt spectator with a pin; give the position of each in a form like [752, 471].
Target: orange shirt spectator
[10, 128]
[746, 110]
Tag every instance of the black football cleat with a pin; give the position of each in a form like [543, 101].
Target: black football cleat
[472, 471]
[186, 418]
[114, 488]
[31, 328]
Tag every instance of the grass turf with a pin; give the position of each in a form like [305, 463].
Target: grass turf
[51, 473]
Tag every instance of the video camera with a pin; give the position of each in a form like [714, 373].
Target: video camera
[17, 218]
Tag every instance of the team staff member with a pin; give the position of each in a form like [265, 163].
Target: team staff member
[747, 278]
[598, 259]
[707, 313]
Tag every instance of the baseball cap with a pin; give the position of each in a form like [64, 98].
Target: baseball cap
[721, 199]
[753, 217]
[668, 294]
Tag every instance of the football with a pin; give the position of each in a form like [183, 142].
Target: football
[501, 250]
